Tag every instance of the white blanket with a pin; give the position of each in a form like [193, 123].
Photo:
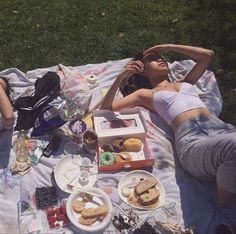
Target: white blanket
[193, 199]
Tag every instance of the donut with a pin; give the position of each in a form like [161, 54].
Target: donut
[122, 157]
[107, 148]
[106, 159]
[118, 145]
[133, 144]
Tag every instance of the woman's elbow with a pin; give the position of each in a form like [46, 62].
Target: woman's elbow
[209, 54]
[9, 120]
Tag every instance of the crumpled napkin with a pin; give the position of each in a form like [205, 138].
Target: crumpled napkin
[20, 167]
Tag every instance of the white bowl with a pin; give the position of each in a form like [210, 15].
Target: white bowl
[97, 227]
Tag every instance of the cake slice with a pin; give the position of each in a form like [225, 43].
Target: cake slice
[144, 186]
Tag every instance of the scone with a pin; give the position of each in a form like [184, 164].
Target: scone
[132, 144]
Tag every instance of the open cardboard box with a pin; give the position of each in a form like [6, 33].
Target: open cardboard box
[128, 123]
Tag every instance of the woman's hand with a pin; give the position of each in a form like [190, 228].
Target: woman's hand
[158, 49]
[130, 69]
[133, 67]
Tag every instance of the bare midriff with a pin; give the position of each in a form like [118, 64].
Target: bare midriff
[187, 115]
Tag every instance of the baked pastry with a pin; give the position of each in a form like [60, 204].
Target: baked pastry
[133, 144]
[95, 212]
[107, 148]
[144, 185]
[106, 159]
[86, 197]
[78, 206]
[118, 145]
[149, 197]
[122, 157]
[88, 221]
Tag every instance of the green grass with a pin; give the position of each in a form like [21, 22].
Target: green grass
[39, 33]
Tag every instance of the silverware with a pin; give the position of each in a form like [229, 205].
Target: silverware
[77, 175]
[84, 191]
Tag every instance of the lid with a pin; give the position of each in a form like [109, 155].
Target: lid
[33, 222]
[128, 122]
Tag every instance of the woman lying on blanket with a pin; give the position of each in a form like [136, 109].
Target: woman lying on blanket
[206, 146]
[6, 111]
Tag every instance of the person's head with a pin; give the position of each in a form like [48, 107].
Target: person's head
[155, 71]
[155, 67]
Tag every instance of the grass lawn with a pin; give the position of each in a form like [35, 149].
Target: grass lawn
[39, 33]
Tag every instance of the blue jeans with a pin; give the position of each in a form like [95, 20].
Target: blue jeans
[206, 148]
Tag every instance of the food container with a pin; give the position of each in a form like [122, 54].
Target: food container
[51, 219]
[77, 127]
[90, 142]
[129, 123]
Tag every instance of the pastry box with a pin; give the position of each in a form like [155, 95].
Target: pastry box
[121, 140]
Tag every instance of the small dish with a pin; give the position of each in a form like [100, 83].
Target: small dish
[101, 199]
[130, 180]
[68, 171]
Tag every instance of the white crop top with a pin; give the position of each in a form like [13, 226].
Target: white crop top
[170, 104]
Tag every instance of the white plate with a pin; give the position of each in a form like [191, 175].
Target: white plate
[68, 168]
[135, 176]
[97, 227]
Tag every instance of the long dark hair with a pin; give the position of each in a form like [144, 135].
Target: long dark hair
[136, 81]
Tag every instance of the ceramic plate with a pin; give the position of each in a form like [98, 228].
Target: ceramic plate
[98, 226]
[68, 171]
[131, 179]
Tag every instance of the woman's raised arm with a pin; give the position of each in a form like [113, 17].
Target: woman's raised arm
[108, 101]
[200, 55]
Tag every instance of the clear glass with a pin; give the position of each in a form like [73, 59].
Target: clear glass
[21, 148]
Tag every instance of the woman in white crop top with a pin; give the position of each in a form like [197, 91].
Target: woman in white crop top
[206, 146]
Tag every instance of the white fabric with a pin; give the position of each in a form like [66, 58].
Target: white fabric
[76, 89]
[192, 198]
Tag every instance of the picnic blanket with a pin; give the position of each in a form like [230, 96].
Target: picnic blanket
[193, 199]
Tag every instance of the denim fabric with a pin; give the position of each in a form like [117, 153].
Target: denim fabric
[206, 148]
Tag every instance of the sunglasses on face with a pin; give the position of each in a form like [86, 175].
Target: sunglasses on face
[150, 57]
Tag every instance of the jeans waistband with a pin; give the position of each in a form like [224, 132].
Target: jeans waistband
[191, 124]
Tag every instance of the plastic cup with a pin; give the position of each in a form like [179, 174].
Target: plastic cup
[90, 141]
[77, 127]
[85, 164]
[84, 178]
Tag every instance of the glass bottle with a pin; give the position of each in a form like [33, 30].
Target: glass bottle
[21, 148]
